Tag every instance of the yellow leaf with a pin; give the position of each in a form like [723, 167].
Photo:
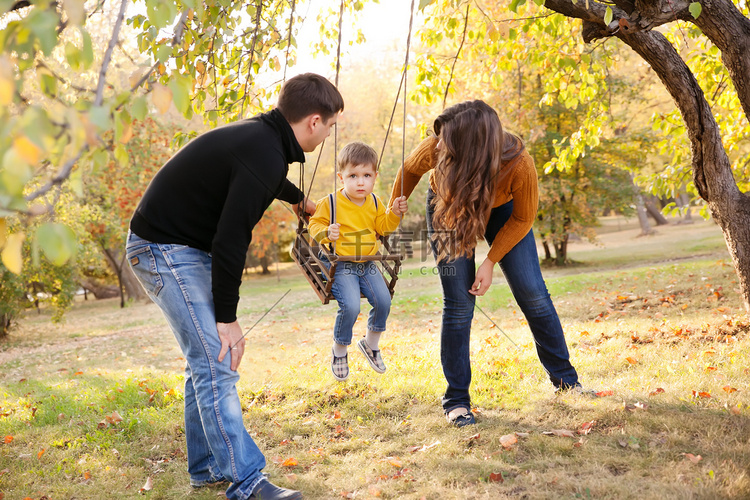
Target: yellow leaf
[3, 228]
[289, 462]
[75, 11]
[26, 149]
[7, 85]
[127, 133]
[161, 97]
[11, 256]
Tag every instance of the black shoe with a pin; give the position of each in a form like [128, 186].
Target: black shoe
[266, 490]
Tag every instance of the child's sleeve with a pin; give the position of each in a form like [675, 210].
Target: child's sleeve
[320, 221]
[385, 221]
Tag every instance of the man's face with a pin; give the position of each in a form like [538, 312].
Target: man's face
[319, 131]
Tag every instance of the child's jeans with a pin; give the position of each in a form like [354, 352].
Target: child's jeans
[351, 280]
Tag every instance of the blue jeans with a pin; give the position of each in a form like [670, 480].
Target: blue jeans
[524, 276]
[351, 281]
[178, 279]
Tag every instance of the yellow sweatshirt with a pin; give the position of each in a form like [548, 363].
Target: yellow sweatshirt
[359, 226]
[519, 185]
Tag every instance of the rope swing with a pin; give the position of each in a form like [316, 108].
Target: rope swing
[306, 251]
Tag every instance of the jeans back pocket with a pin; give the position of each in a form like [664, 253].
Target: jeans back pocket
[143, 264]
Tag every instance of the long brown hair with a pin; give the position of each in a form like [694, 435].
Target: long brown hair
[469, 161]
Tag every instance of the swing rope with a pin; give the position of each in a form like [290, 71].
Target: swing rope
[304, 252]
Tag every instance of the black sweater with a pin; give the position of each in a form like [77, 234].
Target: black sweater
[211, 194]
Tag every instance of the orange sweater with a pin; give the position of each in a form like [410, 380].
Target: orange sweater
[520, 185]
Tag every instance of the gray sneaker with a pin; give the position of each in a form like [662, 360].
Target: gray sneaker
[340, 367]
[373, 357]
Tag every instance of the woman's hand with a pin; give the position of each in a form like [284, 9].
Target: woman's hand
[232, 341]
[333, 232]
[483, 278]
[399, 206]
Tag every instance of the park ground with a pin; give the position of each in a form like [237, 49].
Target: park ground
[92, 407]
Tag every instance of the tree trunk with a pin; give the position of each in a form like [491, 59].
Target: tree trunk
[723, 23]
[683, 200]
[655, 213]
[640, 209]
[100, 290]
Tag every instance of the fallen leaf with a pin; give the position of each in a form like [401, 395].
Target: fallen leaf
[701, 394]
[560, 432]
[475, 437]
[395, 461]
[148, 486]
[602, 394]
[86, 475]
[289, 462]
[373, 491]
[728, 389]
[39, 455]
[586, 427]
[291, 477]
[693, 458]
[496, 477]
[114, 418]
[632, 361]
[522, 434]
[8, 439]
[507, 441]
[658, 390]
[623, 443]
[336, 414]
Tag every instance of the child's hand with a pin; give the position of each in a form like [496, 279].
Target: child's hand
[399, 206]
[333, 232]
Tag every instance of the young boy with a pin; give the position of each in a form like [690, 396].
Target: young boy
[360, 217]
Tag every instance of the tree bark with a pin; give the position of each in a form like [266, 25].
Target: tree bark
[723, 23]
[654, 212]
[100, 290]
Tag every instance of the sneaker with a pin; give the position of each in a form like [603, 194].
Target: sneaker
[577, 389]
[266, 490]
[372, 356]
[460, 417]
[339, 367]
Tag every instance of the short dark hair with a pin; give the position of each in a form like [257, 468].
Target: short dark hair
[308, 94]
[357, 153]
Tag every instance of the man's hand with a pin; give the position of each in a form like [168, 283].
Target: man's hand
[483, 278]
[307, 206]
[333, 232]
[232, 340]
[399, 206]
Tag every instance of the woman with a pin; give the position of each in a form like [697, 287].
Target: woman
[483, 184]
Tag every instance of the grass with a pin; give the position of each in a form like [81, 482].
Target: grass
[92, 408]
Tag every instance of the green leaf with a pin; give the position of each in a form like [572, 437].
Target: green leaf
[695, 9]
[44, 25]
[181, 87]
[608, 16]
[121, 155]
[87, 52]
[425, 3]
[139, 108]
[515, 4]
[99, 116]
[57, 241]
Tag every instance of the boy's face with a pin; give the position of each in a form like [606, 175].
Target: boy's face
[358, 181]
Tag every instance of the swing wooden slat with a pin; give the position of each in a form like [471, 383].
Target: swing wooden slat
[306, 253]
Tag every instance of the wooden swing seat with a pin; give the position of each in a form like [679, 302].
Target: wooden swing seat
[306, 253]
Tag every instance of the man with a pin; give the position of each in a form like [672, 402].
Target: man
[187, 243]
